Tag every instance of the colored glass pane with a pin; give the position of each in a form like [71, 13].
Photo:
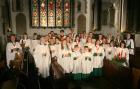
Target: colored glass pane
[43, 13]
[51, 13]
[59, 17]
[67, 13]
[35, 14]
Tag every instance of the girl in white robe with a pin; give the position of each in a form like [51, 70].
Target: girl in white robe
[100, 38]
[83, 38]
[58, 44]
[77, 68]
[77, 42]
[69, 42]
[42, 58]
[110, 51]
[87, 63]
[11, 49]
[123, 54]
[90, 43]
[98, 57]
[72, 34]
[65, 57]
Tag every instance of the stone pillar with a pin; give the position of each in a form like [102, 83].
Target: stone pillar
[88, 16]
[123, 15]
[117, 18]
[97, 14]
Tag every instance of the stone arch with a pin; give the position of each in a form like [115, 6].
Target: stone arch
[21, 27]
[81, 23]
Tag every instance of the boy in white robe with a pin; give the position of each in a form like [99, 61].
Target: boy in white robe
[87, 63]
[11, 49]
[130, 44]
[98, 57]
[42, 58]
[62, 35]
[77, 68]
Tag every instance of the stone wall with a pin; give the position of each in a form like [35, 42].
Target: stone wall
[86, 10]
[30, 30]
[137, 40]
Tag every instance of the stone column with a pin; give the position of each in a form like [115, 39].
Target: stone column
[117, 18]
[118, 11]
[123, 15]
[88, 16]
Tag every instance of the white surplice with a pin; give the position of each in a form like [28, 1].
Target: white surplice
[110, 52]
[87, 62]
[42, 59]
[98, 56]
[65, 59]
[76, 58]
[10, 55]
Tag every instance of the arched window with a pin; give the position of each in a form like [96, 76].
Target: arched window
[52, 13]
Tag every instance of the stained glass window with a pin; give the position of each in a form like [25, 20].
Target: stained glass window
[52, 13]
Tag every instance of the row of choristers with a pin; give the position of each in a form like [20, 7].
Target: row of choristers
[81, 55]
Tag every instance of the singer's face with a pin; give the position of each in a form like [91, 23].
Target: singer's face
[13, 38]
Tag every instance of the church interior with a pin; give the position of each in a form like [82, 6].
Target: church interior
[69, 44]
